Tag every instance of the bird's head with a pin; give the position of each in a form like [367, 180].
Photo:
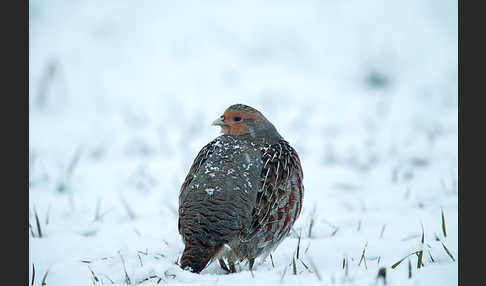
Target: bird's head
[241, 120]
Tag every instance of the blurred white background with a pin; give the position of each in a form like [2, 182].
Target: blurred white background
[122, 94]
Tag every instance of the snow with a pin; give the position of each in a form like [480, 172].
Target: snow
[123, 93]
[209, 191]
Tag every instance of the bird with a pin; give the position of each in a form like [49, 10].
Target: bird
[242, 194]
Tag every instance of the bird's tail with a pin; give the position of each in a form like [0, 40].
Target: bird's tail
[195, 258]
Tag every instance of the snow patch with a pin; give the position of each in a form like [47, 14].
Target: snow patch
[210, 191]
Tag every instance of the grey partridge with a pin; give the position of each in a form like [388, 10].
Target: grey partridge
[242, 194]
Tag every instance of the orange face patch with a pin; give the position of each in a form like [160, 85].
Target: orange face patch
[235, 122]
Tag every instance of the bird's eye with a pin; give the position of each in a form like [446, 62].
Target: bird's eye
[237, 118]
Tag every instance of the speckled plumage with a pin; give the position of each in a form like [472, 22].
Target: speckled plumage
[242, 194]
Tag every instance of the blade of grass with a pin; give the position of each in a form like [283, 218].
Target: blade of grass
[283, 274]
[31, 230]
[294, 267]
[169, 275]
[44, 278]
[346, 268]
[97, 211]
[335, 231]
[131, 214]
[144, 253]
[401, 260]
[298, 247]
[33, 274]
[94, 275]
[306, 267]
[443, 223]
[307, 248]
[39, 230]
[397, 263]
[148, 278]
[382, 230]
[409, 269]
[431, 258]
[419, 260]
[140, 259]
[448, 252]
[314, 269]
[363, 258]
[106, 276]
[47, 215]
[73, 163]
[423, 234]
[127, 278]
[311, 224]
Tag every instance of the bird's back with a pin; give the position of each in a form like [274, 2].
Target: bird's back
[218, 197]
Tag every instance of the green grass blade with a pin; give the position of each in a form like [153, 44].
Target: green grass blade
[298, 247]
[419, 260]
[335, 231]
[311, 224]
[363, 256]
[44, 278]
[294, 267]
[382, 230]
[448, 252]
[423, 234]
[401, 260]
[33, 274]
[94, 275]
[397, 263]
[39, 230]
[431, 258]
[47, 215]
[31, 230]
[443, 224]
[306, 267]
[409, 269]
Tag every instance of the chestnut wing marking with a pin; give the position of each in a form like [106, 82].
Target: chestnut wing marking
[279, 161]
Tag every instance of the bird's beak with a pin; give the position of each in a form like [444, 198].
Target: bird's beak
[218, 122]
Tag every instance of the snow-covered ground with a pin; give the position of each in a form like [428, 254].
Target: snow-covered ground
[122, 94]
